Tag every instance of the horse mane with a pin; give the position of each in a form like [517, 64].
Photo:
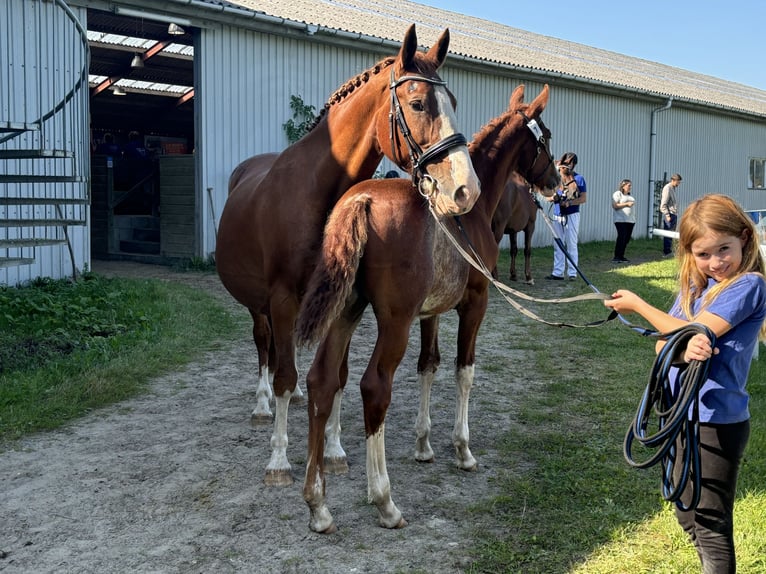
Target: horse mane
[484, 141]
[346, 89]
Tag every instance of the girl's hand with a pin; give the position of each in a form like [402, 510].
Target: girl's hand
[623, 301]
[699, 349]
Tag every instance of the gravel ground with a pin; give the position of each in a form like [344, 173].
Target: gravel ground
[173, 481]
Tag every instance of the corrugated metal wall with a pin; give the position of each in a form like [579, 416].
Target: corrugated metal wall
[246, 80]
[245, 83]
[41, 57]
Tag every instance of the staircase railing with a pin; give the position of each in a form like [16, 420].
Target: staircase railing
[44, 132]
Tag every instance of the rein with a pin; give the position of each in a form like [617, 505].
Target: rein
[418, 158]
[476, 262]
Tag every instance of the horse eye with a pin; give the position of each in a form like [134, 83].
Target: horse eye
[417, 106]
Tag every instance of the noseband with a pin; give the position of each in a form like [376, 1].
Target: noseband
[542, 145]
[419, 159]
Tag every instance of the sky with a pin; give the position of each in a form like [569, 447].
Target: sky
[725, 39]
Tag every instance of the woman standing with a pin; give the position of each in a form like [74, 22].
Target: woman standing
[624, 219]
[722, 287]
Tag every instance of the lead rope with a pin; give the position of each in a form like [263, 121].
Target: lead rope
[677, 415]
[476, 262]
[676, 427]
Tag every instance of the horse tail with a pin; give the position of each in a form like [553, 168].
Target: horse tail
[345, 237]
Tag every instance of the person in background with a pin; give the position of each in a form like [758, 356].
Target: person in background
[624, 219]
[109, 147]
[669, 211]
[135, 146]
[566, 221]
[721, 286]
[391, 174]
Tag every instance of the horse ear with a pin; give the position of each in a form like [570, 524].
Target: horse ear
[538, 104]
[439, 50]
[409, 47]
[517, 98]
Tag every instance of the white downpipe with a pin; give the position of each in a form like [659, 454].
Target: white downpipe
[652, 137]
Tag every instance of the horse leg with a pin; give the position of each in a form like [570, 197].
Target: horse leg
[514, 253]
[262, 337]
[278, 471]
[528, 254]
[324, 387]
[376, 384]
[428, 363]
[471, 313]
[335, 460]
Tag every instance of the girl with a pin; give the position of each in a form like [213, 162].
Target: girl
[722, 286]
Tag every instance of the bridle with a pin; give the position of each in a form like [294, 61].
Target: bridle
[542, 146]
[419, 159]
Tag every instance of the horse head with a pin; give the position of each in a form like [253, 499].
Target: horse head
[418, 130]
[536, 163]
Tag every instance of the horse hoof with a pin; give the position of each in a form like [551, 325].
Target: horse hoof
[401, 524]
[336, 465]
[258, 420]
[332, 529]
[425, 460]
[278, 478]
[530, 281]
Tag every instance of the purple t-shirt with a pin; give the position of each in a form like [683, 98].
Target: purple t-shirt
[723, 398]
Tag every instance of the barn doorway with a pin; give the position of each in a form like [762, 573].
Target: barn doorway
[141, 81]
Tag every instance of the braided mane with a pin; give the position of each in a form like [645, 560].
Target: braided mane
[485, 140]
[347, 89]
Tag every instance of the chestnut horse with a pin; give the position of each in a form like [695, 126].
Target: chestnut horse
[383, 247]
[270, 231]
[516, 212]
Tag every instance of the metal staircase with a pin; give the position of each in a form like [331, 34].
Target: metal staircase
[44, 132]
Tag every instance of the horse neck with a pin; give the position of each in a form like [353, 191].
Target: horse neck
[350, 148]
[494, 162]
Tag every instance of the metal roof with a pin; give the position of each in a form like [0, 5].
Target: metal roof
[504, 46]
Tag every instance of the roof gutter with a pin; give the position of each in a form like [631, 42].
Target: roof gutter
[652, 138]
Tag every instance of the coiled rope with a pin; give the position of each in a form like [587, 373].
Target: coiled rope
[675, 426]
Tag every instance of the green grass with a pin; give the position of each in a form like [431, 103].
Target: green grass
[576, 506]
[67, 348]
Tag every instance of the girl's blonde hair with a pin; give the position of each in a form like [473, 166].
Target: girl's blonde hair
[719, 214]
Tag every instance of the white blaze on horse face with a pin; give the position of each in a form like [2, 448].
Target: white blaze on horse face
[461, 179]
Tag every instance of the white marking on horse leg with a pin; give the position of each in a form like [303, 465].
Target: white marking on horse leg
[298, 395]
[378, 485]
[263, 394]
[321, 519]
[423, 450]
[335, 460]
[460, 435]
[278, 469]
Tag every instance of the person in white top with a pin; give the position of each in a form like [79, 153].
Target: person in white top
[624, 219]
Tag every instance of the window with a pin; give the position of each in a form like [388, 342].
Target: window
[755, 178]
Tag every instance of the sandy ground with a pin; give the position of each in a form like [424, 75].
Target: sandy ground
[173, 481]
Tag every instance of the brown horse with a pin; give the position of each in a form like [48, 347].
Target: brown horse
[270, 230]
[516, 212]
[383, 247]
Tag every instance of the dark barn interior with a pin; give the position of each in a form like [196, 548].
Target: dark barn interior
[142, 138]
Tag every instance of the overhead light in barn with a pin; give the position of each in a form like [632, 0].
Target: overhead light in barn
[175, 30]
[137, 62]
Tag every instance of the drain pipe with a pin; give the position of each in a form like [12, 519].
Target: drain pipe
[652, 137]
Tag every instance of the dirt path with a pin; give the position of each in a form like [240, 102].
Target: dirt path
[173, 481]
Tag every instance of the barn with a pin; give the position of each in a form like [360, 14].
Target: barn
[196, 86]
